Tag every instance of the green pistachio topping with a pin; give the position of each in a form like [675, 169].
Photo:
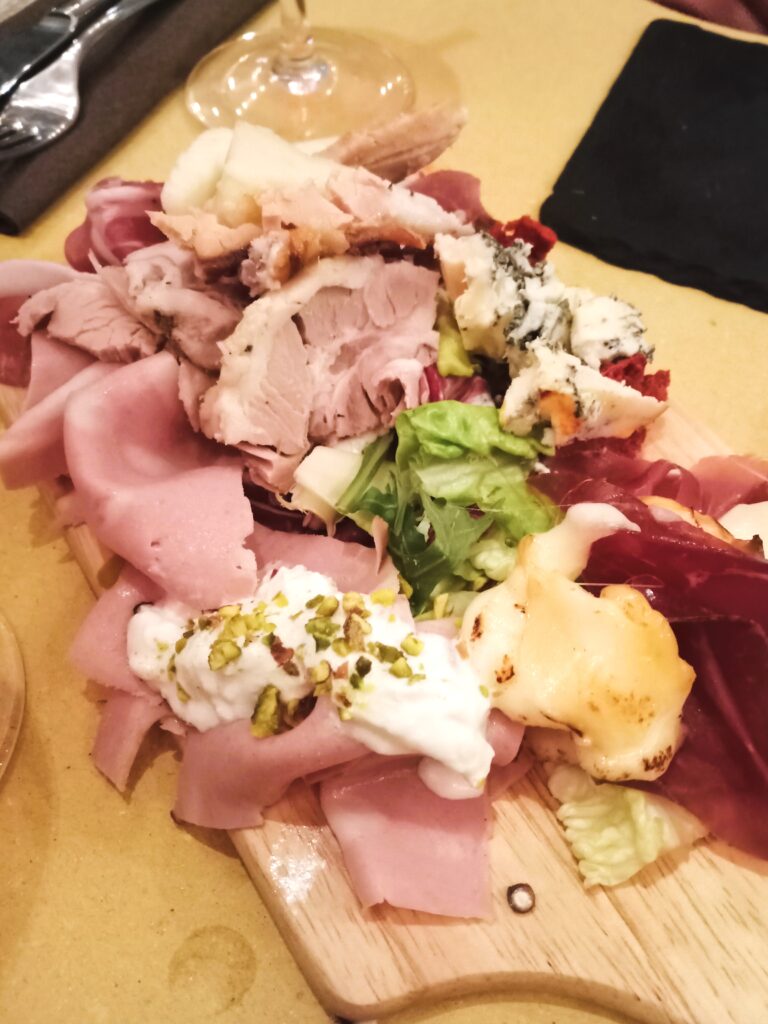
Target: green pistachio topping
[485, 691]
[313, 602]
[228, 610]
[385, 596]
[352, 601]
[340, 647]
[181, 693]
[320, 672]
[401, 669]
[222, 653]
[363, 666]
[413, 645]
[265, 720]
[280, 599]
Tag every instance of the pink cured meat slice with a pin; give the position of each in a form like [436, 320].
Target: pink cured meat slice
[455, 191]
[728, 480]
[505, 736]
[32, 449]
[389, 827]
[99, 649]
[53, 364]
[155, 492]
[352, 566]
[19, 279]
[228, 776]
[117, 222]
[125, 720]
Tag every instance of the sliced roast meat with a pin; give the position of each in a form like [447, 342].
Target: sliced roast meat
[403, 145]
[86, 313]
[356, 359]
[155, 492]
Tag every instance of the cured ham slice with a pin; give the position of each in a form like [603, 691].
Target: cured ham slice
[18, 280]
[456, 192]
[125, 720]
[32, 448]
[730, 480]
[228, 776]
[155, 492]
[99, 649]
[117, 223]
[366, 335]
[505, 736]
[52, 365]
[390, 827]
[350, 565]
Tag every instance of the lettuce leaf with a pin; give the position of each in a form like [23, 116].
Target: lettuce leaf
[455, 497]
[614, 831]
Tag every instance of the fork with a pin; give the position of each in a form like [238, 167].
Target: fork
[47, 105]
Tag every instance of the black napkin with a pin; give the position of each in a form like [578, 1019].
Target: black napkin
[131, 72]
[672, 175]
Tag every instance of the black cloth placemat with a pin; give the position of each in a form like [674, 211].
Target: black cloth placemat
[672, 175]
[132, 71]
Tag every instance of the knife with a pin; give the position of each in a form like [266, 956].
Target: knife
[28, 48]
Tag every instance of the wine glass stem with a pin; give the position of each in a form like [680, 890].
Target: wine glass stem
[297, 45]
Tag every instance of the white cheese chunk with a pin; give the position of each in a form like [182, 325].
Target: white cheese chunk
[604, 328]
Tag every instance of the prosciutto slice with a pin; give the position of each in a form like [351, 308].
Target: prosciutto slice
[405, 846]
[350, 565]
[99, 649]
[228, 776]
[32, 448]
[117, 223]
[730, 480]
[125, 720]
[52, 365]
[154, 491]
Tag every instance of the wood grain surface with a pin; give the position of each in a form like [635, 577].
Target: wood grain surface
[683, 943]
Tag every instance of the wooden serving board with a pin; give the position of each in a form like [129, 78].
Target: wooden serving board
[685, 942]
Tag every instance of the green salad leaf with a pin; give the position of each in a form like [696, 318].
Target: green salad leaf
[455, 497]
[614, 831]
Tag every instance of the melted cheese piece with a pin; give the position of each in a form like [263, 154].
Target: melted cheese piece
[605, 668]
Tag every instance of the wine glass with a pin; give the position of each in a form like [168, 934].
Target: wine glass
[302, 83]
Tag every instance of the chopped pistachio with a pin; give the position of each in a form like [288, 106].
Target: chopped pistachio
[180, 644]
[355, 681]
[222, 653]
[228, 610]
[345, 714]
[280, 599]
[363, 666]
[313, 602]
[401, 669]
[340, 647]
[413, 645]
[234, 628]
[254, 621]
[485, 691]
[291, 668]
[328, 606]
[417, 677]
[355, 631]
[324, 628]
[322, 688]
[352, 601]
[320, 672]
[384, 652]
[385, 596]
[181, 693]
[265, 720]
[405, 586]
[162, 646]
[204, 622]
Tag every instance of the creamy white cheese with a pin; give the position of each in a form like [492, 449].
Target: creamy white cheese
[604, 328]
[398, 692]
[601, 407]
[748, 521]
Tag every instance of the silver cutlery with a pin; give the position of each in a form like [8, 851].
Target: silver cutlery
[47, 105]
[27, 49]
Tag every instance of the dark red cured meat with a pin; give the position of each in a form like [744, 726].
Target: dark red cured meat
[525, 229]
[720, 773]
[631, 371]
[15, 353]
[116, 223]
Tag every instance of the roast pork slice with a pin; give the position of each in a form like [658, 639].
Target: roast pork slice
[336, 352]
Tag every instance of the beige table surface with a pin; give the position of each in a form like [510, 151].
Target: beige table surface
[108, 911]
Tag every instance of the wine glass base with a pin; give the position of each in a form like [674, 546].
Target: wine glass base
[347, 84]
